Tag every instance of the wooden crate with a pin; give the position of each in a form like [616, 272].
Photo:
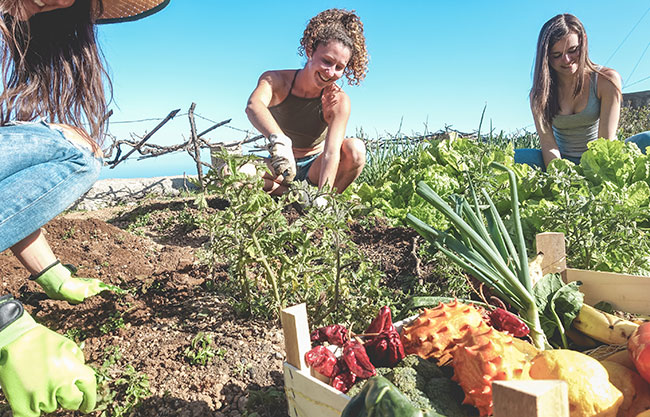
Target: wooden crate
[629, 293]
[307, 396]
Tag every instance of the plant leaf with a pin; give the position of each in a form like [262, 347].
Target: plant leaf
[558, 303]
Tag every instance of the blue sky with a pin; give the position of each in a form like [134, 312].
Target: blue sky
[432, 63]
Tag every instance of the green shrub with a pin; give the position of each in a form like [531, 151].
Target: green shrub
[274, 262]
[633, 121]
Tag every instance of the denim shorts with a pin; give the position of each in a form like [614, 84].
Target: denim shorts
[41, 174]
[533, 157]
[642, 140]
[302, 167]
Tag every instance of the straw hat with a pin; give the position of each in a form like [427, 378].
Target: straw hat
[127, 10]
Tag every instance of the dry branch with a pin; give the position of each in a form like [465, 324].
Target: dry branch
[192, 146]
[116, 161]
[195, 144]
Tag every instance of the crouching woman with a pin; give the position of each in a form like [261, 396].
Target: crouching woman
[304, 113]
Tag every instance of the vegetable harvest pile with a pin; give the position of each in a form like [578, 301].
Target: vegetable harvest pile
[527, 337]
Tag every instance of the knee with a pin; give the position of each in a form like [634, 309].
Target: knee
[642, 140]
[355, 152]
[247, 169]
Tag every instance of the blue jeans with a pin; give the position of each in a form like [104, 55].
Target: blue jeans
[642, 140]
[530, 156]
[533, 157]
[41, 174]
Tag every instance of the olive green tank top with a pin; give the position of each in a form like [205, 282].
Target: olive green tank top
[574, 131]
[301, 119]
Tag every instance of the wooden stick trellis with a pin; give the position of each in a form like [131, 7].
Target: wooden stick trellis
[192, 146]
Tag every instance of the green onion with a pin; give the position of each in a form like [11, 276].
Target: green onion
[486, 253]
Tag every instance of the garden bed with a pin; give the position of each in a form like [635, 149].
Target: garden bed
[150, 249]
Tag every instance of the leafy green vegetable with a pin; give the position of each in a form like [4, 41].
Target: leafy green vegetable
[491, 256]
[559, 304]
[380, 398]
[601, 205]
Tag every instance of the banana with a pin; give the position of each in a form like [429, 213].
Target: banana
[602, 326]
[581, 339]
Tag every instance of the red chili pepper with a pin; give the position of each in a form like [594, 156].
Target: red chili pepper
[344, 381]
[356, 358]
[385, 349]
[340, 366]
[334, 334]
[342, 378]
[505, 321]
[322, 360]
[382, 322]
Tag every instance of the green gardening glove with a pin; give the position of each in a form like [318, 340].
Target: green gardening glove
[59, 284]
[41, 370]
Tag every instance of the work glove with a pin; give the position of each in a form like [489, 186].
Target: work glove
[41, 370]
[59, 284]
[282, 160]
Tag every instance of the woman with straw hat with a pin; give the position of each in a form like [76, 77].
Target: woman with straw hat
[52, 113]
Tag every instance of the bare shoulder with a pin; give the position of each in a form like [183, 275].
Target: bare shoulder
[336, 103]
[279, 83]
[278, 79]
[609, 82]
[342, 95]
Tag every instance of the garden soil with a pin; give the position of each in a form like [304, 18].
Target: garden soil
[144, 334]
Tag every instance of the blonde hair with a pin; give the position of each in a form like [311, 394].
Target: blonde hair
[343, 26]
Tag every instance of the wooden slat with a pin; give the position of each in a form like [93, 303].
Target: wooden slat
[552, 245]
[308, 397]
[296, 334]
[535, 398]
[629, 293]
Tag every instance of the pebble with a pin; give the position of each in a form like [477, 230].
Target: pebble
[241, 403]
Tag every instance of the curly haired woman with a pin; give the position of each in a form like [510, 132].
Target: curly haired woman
[304, 113]
[573, 100]
[53, 87]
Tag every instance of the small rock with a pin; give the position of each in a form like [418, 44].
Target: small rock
[241, 403]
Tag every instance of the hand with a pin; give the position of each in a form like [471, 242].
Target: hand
[59, 284]
[41, 370]
[282, 160]
[330, 98]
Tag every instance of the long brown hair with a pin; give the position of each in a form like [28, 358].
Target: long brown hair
[343, 26]
[53, 68]
[544, 93]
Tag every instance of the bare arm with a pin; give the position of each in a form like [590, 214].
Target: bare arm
[257, 108]
[336, 110]
[547, 141]
[609, 91]
[34, 252]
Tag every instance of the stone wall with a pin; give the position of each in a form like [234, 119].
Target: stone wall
[111, 192]
[637, 99]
